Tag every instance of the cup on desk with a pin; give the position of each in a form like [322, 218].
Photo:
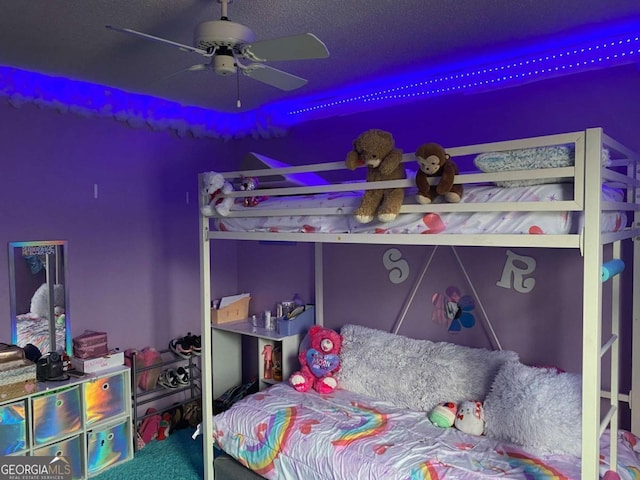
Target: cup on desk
[269, 321]
[255, 321]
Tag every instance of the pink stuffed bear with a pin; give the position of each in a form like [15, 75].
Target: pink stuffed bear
[319, 363]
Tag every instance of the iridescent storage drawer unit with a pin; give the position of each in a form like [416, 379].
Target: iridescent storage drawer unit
[56, 415]
[13, 428]
[71, 449]
[105, 398]
[107, 446]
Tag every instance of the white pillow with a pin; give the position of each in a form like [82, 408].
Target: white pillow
[40, 301]
[416, 374]
[530, 159]
[537, 408]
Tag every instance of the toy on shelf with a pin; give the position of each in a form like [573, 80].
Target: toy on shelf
[267, 354]
[376, 150]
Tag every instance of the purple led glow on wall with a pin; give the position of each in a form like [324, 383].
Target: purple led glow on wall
[600, 48]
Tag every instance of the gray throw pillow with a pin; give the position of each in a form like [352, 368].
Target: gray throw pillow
[537, 408]
[416, 374]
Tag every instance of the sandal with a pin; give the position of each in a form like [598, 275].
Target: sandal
[149, 427]
[165, 426]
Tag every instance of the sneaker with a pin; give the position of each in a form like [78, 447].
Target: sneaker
[195, 342]
[182, 375]
[169, 379]
[181, 347]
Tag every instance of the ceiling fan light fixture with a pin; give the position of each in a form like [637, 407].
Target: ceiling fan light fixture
[224, 64]
[221, 33]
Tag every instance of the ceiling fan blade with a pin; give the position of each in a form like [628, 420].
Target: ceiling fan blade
[305, 46]
[192, 68]
[146, 36]
[273, 76]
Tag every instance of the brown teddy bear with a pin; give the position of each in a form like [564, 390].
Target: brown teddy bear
[376, 149]
[435, 162]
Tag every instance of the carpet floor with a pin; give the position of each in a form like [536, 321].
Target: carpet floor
[179, 457]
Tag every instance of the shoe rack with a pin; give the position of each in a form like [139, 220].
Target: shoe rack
[169, 360]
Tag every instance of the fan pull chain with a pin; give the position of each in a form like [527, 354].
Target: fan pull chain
[238, 103]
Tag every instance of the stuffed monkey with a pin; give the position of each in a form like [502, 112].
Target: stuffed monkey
[435, 162]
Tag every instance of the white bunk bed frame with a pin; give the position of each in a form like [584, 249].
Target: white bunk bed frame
[587, 175]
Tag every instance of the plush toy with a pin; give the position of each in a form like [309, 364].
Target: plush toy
[214, 184]
[470, 418]
[443, 415]
[435, 162]
[251, 183]
[319, 363]
[376, 150]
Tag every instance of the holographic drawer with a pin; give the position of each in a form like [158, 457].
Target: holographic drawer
[56, 414]
[107, 446]
[13, 428]
[71, 449]
[105, 398]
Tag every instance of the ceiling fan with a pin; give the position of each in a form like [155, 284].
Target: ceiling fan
[228, 44]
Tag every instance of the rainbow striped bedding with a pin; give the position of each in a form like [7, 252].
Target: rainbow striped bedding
[281, 433]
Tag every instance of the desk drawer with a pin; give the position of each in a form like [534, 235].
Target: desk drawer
[72, 449]
[107, 446]
[13, 428]
[56, 414]
[105, 398]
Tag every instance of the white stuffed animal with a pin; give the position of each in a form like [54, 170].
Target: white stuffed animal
[214, 184]
[470, 418]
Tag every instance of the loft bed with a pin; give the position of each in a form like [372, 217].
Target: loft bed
[586, 225]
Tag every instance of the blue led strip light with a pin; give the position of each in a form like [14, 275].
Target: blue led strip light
[616, 45]
[531, 68]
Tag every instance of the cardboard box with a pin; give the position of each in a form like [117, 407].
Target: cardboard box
[231, 312]
[299, 324]
[92, 365]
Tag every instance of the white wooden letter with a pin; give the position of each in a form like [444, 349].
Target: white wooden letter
[514, 271]
[398, 267]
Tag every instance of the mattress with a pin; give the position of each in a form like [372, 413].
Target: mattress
[282, 433]
[548, 222]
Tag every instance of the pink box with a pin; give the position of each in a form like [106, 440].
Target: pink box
[92, 365]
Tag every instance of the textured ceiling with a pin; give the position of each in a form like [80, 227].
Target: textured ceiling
[366, 39]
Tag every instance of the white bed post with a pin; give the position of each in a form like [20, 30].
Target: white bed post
[206, 360]
[634, 399]
[319, 286]
[591, 305]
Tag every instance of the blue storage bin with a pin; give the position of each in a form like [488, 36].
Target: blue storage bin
[299, 324]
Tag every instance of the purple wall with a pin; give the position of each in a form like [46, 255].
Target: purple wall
[133, 252]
